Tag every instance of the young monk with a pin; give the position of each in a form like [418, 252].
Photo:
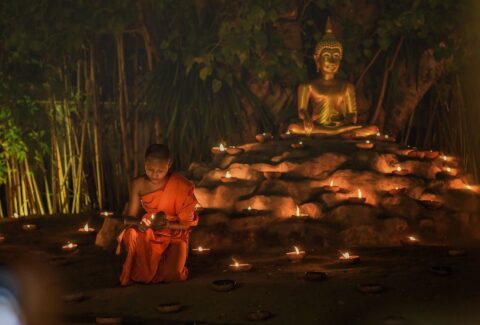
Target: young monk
[158, 255]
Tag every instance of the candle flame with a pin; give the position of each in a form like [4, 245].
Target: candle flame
[359, 193]
[331, 182]
[399, 169]
[228, 175]
[249, 208]
[412, 238]
[386, 136]
[297, 212]
[222, 147]
[378, 134]
[297, 251]
[368, 141]
[197, 206]
[152, 216]
[449, 169]
[85, 228]
[346, 255]
[444, 158]
[15, 215]
[396, 188]
[200, 248]
[300, 143]
[288, 132]
[468, 187]
[235, 262]
[264, 134]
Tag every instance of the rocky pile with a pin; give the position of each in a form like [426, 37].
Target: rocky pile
[331, 191]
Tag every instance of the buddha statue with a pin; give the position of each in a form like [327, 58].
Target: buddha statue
[327, 106]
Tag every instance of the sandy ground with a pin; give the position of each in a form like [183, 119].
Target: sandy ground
[412, 294]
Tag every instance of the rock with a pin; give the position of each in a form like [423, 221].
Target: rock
[352, 215]
[313, 209]
[252, 222]
[241, 171]
[222, 197]
[461, 200]
[280, 206]
[299, 190]
[364, 235]
[401, 206]
[213, 219]
[395, 226]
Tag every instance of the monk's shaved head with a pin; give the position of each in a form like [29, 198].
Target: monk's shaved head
[158, 151]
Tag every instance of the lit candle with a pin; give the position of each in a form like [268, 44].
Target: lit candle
[296, 255]
[331, 183]
[15, 215]
[359, 199]
[364, 145]
[386, 136]
[201, 250]
[298, 214]
[69, 247]
[228, 175]
[249, 208]
[468, 187]
[444, 158]
[411, 240]
[29, 227]
[450, 171]
[359, 193]
[288, 132]
[221, 147]
[378, 134]
[86, 229]
[228, 178]
[240, 267]
[2, 238]
[346, 258]
[106, 213]
[297, 145]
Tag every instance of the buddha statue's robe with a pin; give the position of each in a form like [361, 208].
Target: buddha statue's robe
[160, 256]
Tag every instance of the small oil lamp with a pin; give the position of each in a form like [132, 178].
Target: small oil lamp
[249, 211]
[201, 250]
[346, 258]
[219, 150]
[397, 191]
[364, 145]
[69, 247]
[299, 214]
[297, 145]
[264, 137]
[29, 227]
[444, 157]
[400, 171]
[239, 267]
[411, 240]
[233, 150]
[450, 171]
[296, 255]
[106, 213]
[331, 187]
[286, 135]
[86, 229]
[359, 199]
[431, 154]
[228, 178]
[2, 238]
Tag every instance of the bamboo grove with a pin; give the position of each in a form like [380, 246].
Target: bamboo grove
[85, 87]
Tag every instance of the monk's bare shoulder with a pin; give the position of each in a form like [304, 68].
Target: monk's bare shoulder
[137, 184]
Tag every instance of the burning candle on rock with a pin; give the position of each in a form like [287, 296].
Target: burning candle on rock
[397, 191]
[297, 145]
[296, 255]
[411, 240]
[232, 150]
[299, 214]
[29, 227]
[201, 250]
[286, 135]
[219, 150]
[228, 178]
[239, 267]
[249, 211]
[331, 187]
[86, 229]
[359, 199]
[347, 258]
[400, 171]
[365, 145]
[106, 213]
[69, 247]
[450, 171]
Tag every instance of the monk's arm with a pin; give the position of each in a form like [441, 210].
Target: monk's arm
[134, 199]
[187, 216]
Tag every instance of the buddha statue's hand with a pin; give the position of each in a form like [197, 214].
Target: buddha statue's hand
[308, 126]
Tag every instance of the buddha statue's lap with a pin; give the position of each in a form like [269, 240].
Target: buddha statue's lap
[327, 106]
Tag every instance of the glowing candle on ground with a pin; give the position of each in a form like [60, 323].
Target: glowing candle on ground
[29, 227]
[240, 267]
[296, 255]
[201, 250]
[411, 240]
[69, 247]
[15, 215]
[347, 258]
[86, 229]
[331, 187]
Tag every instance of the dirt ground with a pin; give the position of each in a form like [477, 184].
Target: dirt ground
[412, 293]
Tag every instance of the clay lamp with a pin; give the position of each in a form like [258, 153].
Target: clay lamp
[2, 238]
[106, 213]
[298, 214]
[250, 211]
[370, 288]
[239, 267]
[264, 137]
[296, 255]
[272, 175]
[223, 285]
[69, 247]
[111, 320]
[432, 204]
[228, 178]
[331, 187]
[364, 145]
[171, 307]
[201, 251]
[397, 191]
[346, 258]
[400, 171]
[450, 171]
[218, 150]
[297, 145]
[232, 150]
[357, 199]
[411, 241]
[29, 227]
[286, 135]
[431, 154]
[86, 229]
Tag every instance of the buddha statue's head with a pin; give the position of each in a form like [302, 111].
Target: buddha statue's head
[328, 53]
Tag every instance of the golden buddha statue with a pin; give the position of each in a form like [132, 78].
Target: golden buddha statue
[333, 106]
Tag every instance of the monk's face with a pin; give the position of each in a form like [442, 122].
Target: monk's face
[156, 169]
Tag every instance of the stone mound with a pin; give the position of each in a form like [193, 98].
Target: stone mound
[331, 191]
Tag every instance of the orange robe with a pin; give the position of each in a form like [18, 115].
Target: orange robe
[160, 256]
